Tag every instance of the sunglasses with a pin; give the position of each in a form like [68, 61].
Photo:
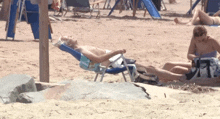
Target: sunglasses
[198, 35]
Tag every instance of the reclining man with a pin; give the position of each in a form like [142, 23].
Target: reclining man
[95, 54]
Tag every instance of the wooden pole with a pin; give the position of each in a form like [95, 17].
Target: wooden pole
[190, 7]
[5, 10]
[43, 43]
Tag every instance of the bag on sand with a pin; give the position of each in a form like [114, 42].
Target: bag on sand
[204, 68]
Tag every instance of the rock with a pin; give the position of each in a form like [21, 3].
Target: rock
[83, 89]
[31, 97]
[14, 84]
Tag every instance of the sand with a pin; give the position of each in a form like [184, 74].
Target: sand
[150, 42]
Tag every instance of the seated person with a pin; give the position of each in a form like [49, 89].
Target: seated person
[201, 45]
[201, 18]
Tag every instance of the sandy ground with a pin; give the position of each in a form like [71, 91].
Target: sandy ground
[150, 42]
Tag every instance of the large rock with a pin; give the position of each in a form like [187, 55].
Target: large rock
[14, 84]
[82, 89]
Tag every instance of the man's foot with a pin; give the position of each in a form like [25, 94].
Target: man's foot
[189, 24]
[58, 43]
[177, 21]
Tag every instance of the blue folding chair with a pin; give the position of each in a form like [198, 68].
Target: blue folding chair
[212, 6]
[85, 63]
[32, 13]
[11, 23]
[83, 6]
[143, 3]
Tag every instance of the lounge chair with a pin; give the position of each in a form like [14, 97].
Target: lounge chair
[83, 6]
[85, 63]
[211, 6]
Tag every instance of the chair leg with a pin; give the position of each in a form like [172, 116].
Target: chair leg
[104, 4]
[145, 12]
[96, 77]
[64, 14]
[126, 65]
[109, 6]
[102, 76]
[163, 5]
[124, 76]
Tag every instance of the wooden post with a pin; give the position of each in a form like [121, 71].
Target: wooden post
[43, 43]
[134, 9]
[5, 10]
[190, 7]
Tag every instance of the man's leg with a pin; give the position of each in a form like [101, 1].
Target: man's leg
[204, 18]
[162, 74]
[169, 65]
[196, 22]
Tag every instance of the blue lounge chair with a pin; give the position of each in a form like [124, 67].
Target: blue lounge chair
[83, 6]
[146, 3]
[32, 13]
[85, 63]
[212, 6]
[11, 23]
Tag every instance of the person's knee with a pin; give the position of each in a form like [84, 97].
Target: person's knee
[179, 70]
[168, 65]
[197, 9]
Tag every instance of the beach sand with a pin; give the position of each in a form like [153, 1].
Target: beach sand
[150, 42]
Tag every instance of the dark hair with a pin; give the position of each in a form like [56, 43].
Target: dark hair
[199, 31]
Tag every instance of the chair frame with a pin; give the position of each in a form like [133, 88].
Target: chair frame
[105, 68]
[94, 4]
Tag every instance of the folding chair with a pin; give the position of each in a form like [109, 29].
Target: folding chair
[83, 6]
[212, 6]
[85, 63]
[163, 6]
[107, 4]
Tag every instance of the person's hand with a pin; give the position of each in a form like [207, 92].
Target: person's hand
[219, 58]
[121, 51]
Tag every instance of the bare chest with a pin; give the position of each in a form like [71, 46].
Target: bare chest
[203, 47]
[95, 50]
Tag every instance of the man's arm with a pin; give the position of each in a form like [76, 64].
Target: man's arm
[191, 51]
[216, 45]
[99, 59]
